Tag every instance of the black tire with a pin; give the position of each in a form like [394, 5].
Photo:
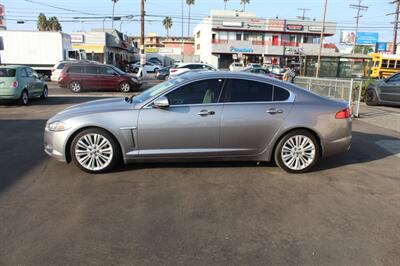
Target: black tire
[45, 93]
[125, 87]
[371, 98]
[75, 86]
[24, 98]
[114, 159]
[315, 153]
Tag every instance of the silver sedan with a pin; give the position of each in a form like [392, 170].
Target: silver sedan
[205, 116]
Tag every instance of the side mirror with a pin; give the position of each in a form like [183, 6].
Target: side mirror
[161, 102]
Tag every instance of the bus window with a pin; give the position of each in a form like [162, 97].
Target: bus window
[392, 63]
[376, 64]
[384, 63]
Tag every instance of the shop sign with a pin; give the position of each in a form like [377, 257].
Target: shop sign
[77, 38]
[294, 27]
[293, 50]
[151, 50]
[240, 50]
[314, 28]
[381, 47]
[232, 24]
[255, 23]
[275, 25]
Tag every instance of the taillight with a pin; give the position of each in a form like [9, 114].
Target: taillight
[14, 85]
[173, 70]
[62, 75]
[343, 114]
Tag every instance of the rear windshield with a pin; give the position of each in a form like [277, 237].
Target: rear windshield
[7, 72]
[61, 66]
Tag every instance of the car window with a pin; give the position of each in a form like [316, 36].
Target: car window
[107, 71]
[204, 91]
[157, 89]
[7, 72]
[280, 94]
[239, 90]
[75, 69]
[61, 66]
[93, 70]
[395, 78]
[30, 72]
[22, 72]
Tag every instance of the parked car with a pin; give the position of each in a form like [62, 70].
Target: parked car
[21, 83]
[148, 67]
[258, 70]
[57, 68]
[97, 76]
[163, 73]
[276, 70]
[236, 67]
[255, 65]
[206, 116]
[385, 91]
[155, 60]
[181, 68]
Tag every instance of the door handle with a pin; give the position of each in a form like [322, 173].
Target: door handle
[206, 112]
[273, 111]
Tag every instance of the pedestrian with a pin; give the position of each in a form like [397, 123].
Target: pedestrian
[286, 73]
[291, 74]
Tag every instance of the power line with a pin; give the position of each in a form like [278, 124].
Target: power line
[359, 8]
[303, 16]
[61, 8]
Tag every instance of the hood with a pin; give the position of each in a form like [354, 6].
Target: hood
[98, 106]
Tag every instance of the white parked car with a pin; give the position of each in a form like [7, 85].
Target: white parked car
[254, 65]
[181, 68]
[236, 67]
[148, 67]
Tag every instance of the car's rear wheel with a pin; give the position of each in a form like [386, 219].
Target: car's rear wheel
[297, 152]
[371, 98]
[45, 93]
[24, 98]
[124, 87]
[75, 86]
[95, 151]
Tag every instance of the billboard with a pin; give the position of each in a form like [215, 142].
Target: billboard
[347, 37]
[381, 47]
[367, 38]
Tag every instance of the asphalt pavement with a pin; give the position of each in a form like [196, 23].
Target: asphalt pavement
[345, 212]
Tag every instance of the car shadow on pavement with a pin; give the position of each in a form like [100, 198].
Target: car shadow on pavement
[56, 100]
[21, 146]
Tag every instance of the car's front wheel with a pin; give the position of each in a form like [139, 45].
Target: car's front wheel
[371, 98]
[297, 152]
[95, 150]
[124, 87]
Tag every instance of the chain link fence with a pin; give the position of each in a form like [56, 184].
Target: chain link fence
[344, 89]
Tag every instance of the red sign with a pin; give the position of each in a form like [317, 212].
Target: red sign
[275, 25]
[294, 27]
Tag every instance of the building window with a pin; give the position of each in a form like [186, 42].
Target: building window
[198, 46]
[198, 34]
[238, 36]
[245, 36]
[223, 35]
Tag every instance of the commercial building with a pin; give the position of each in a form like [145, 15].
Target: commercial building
[227, 36]
[109, 47]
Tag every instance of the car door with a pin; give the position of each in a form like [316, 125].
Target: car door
[32, 82]
[253, 113]
[94, 77]
[390, 89]
[109, 78]
[189, 127]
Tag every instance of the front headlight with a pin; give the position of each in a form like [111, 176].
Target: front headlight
[57, 126]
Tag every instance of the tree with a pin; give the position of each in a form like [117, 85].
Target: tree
[112, 23]
[244, 2]
[189, 3]
[167, 23]
[225, 1]
[53, 24]
[42, 24]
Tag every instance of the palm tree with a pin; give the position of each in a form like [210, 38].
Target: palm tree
[42, 23]
[244, 2]
[189, 3]
[54, 24]
[167, 23]
[112, 22]
[225, 1]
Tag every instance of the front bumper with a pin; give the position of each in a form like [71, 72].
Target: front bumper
[55, 144]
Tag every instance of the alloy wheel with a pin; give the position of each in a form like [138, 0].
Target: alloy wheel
[125, 87]
[94, 152]
[298, 152]
[25, 98]
[75, 87]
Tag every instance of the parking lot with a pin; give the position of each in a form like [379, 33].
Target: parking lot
[345, 212]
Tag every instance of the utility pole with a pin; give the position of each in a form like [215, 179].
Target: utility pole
[396, 24]
[182, 45]
[303, 16]
[318, 66]
[142, 46]
[359, 8]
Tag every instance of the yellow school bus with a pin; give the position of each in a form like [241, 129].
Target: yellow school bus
[384, 65]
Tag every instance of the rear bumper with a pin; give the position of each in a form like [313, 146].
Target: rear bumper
[338, 146]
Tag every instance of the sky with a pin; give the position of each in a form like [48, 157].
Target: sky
[373, 20]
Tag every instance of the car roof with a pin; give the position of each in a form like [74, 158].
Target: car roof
[186, 64]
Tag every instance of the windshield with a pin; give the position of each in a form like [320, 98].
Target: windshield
[157, 89]
[119, 71]
[7, 72]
